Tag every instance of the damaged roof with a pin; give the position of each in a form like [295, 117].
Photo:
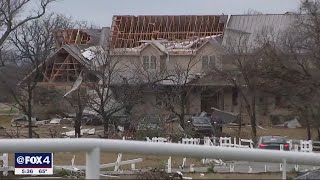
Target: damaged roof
[185, 47]
[129, 31]
[85, 37]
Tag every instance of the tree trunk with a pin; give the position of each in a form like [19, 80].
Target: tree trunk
[308, 128]
[318, 130]
[240, 120]
[253, 118]
[105, 125]
[181, 118]
[77, 124]
[29, 113]
[182, 108]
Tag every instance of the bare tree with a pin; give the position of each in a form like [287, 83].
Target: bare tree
[33, 43]
[111, 93]
[174, 89]
[79, 99]
[291, 64]
[11, 11]
[242, 58]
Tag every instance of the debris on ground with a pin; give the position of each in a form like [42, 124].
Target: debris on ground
[22, 121]
[66, 121]
[292, 124]
[91, 131]
[225, 116]
[43, 122]
[55, 121]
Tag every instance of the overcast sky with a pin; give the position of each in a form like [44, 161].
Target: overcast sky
[100, 12]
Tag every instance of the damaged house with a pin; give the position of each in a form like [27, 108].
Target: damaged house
[172, 55]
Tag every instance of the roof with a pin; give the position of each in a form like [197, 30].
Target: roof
[84, 37]
[129, 31]
[210, 79]
[174, 47]
[73, 50]
[253, 25]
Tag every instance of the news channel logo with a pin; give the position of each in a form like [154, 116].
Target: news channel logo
[33, 164]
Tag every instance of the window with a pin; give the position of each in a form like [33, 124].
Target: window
[234, 96]
[153, 62]
[145, 62]
[205, 63]
[208, 62]
[212, 61]
[149, 62]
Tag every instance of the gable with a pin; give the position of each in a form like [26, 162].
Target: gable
[150, 49]
[64, 65]
[209, 49]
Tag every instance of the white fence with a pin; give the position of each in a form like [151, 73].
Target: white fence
[5, 164]
[92, 147]
[304, 146]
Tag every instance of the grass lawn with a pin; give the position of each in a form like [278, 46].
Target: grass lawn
[5, 121]
[239, 176]
[298, 133]
[230, 176]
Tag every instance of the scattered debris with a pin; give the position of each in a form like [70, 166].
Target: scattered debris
[292, 124]
[121, 128]
[91, 131]
[22, 121]
[88, 54]
[312, 174]
[43, 122]
[224, 116]
[66, 121]
[261, 127]
[55, 121]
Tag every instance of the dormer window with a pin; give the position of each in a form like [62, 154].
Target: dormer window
[149, 62]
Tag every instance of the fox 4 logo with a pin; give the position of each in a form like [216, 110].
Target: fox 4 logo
[37, 160]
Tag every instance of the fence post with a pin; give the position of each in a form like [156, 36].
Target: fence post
[284, 169]
[119, 158]
[169, 165]
[133, 167]
[5, 159]
[93, 163]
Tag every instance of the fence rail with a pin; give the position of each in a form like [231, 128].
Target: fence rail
[92, 147]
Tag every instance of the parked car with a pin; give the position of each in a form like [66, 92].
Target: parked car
[272, 142]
